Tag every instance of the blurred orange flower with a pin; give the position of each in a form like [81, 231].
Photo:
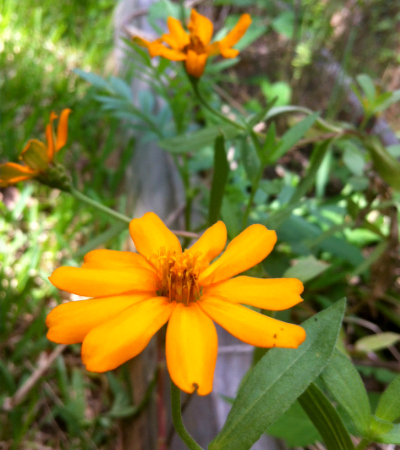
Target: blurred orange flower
[136, 294]
[194, 47]
[36, 155]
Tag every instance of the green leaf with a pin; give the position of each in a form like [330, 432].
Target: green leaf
[284, 213]
[384, 103]
[322, 176]
[353, 159]
[326, 419]
[249, 159]
[95, 80]
[368, 87]
[346, 386]
[379, 427]
[281, 90]
[306, 269]
[101, 239]
[292, 137]
[389, 402]
[277, 380]
[230, 218]
[295, 428]
[392, 437]
[269, 143]
[385, 164]
[221, 170]
[284, 24]
[377, 342]
[197, 140]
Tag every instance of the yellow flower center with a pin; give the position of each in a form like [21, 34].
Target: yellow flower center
[178, 275]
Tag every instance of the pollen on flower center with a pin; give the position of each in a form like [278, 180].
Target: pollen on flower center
[178, 275]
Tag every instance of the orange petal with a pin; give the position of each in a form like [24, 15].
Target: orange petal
[195, 63]
[125, 335]
[11, 173]
[178, 38]
[101, 282]
[50, 136]
[236, 33]
[62, 129]
[213, 49]
[69, 323]
[155, 48]
[228, 52]
[252, 327]
[200, 27]
[249, 248]
[113, 259]
[35, 155]
[274, 294]
[149, 235]
[191, 349]
[211, 243]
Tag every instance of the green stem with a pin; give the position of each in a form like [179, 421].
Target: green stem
[363, 443]
[82, 197]
[177, 419]
[195, 84]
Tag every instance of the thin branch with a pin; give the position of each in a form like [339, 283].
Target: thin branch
[11, 402]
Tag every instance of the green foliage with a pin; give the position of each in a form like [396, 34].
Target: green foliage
[278, 379]
[326, 419]
[221, 170]
[345, 384]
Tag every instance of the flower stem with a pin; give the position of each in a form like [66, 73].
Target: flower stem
[177, 419]
[82, 197]
[121, 217]
[195, 84]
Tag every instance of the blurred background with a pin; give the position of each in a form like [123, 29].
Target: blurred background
[56, 55]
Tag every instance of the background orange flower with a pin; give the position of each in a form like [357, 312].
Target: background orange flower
[36, 155]
[194, 47]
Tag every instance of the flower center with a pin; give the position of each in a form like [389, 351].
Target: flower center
[195, 45]
[178, 274]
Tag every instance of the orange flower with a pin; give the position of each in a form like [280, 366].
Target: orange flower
[194, 47]
[36, 155]
[136, 294]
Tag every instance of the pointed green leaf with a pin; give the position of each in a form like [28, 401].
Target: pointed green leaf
[368, 87]
[392, 437]
[346, 386]
[221, 170]
[277, 380]
[269, 142]
[385, 164]
[292, 137]
[389, 403]
[325, 418]
[306, 269]
[249, 158]
[197, 140]
[295, 428]
[377, 342]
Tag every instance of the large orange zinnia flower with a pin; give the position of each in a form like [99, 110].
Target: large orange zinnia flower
[136, 294]
[194, 47]
[36, 155]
